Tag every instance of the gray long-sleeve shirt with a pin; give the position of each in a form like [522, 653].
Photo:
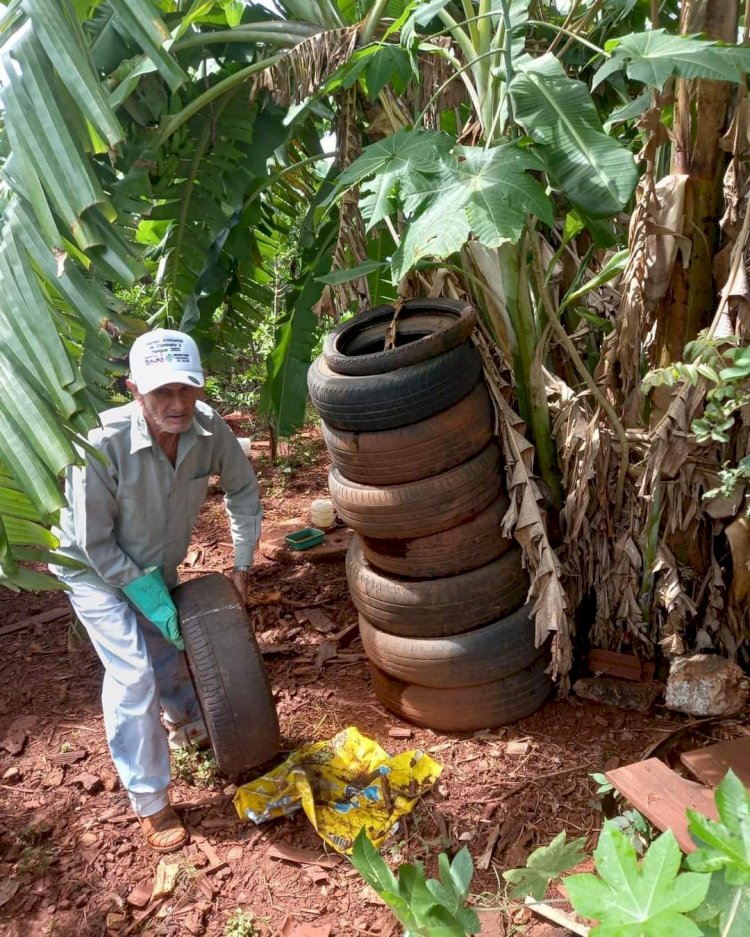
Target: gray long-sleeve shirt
[136, 510]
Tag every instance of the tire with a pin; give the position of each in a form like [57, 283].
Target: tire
[459, 549]
[228, 673]
[468, 708]
[436, 607]
[479, 656]
[419, 508]
[384, 401]
[418, 450]
[424, 328]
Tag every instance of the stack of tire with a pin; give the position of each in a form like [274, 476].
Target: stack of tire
[418, 475]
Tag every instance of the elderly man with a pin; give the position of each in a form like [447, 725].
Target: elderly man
[129, 518]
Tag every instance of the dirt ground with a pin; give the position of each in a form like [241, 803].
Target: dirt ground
[72, 861]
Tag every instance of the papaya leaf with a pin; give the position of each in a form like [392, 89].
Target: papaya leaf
[402, 158]
[543, 865]
[724, 844]
[726, 908]
[390, 64]
[629, 899]
[500, 191]
[440, 230]
[653, 57]
[487, 192]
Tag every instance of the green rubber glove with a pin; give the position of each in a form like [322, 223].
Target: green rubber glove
[149, 594]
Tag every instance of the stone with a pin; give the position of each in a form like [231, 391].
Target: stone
[706, 685]
[624, 694]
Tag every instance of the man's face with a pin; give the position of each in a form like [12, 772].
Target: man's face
[168, 409]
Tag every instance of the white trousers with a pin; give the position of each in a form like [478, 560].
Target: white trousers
[143, 674]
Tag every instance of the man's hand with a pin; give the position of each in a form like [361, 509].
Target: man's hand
[239, 578]
[150, 596]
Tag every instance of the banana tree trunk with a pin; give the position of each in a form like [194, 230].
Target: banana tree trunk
[701, 117]
[702, 111]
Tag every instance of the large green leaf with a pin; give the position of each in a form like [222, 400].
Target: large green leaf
[595, 172]
[438, 230]
[629, 899]
[487, 192]
[655, 56]
[401, 160]
[58, 31]
[501, 191]
[724, 844]
[138, 20]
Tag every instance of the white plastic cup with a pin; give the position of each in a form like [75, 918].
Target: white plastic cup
[321, 513]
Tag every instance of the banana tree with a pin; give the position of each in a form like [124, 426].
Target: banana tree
[138, 145]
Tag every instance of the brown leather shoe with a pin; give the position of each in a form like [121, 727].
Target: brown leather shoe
[164, 831]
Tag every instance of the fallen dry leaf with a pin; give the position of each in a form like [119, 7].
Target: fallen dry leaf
[264, 598]
[326, 651]
[91, 783]
[291, 928]
[68, 758]
[140, 896]
[302, 856]
[318, 620]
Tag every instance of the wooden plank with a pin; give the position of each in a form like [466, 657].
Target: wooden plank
[711, 763]
[662, 796]
[50, 615]
[624, 666]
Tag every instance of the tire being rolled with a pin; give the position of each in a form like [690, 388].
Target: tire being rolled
[384, 401]
[419, 508]
[228, 673]
[423, 328]
[468, 708]
[436, 607]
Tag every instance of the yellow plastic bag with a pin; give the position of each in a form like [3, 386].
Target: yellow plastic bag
[343, 784]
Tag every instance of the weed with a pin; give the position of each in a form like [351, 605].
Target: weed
[65, 747]
[194, 766]
[240, 924]
[33, 834]
[427, 907]
[35, 860]
[628, 821]
[36, 855]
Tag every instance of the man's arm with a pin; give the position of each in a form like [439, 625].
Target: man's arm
[91, 493]
[241, 499]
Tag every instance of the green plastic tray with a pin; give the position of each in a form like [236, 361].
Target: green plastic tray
[304, 539]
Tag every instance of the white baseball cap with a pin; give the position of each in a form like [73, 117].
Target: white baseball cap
[165, 356]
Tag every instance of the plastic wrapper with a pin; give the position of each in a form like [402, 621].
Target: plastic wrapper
[343, 784]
